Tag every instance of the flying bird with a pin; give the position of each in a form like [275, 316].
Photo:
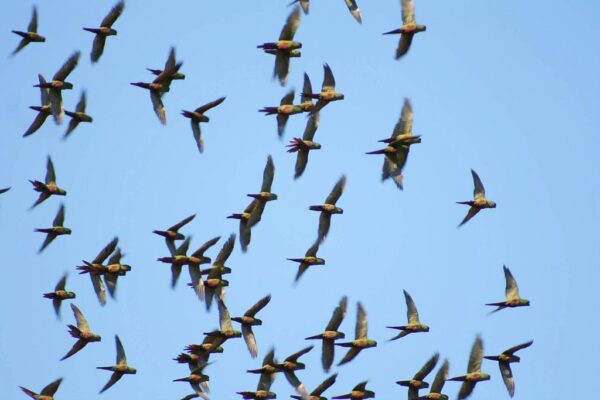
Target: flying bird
[59, 294]
[96, 269]
[306, 102]
[328, 93]
[417, 382]
[414, 325]
[266, 380]
[43, 110]
[504, 360]
[82, 333]
[49, 187]
[359, 392]
[474, 373]
[248, 320]
[177, 260]
[317, 393]
[310, 258]
[31, 35]
[290, 365]
[78, 116]
[105, 30]
[172, 233]
[512, 294]
[194, 261]
[361, 340]
[329, 208]
[354, 10]
[198, 116]
[435, 393]
[479, 201]
[331, 334]
[265, 194]
[225, 331]
[57, 228]
[196, 378]
[120, 369]
[113, 270]
[305, 145]
[408, 29]
[47, 392]
[284, 110]
[213, 286]
[245, 233]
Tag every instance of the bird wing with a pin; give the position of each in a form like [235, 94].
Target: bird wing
[56, 105]
[208, 106]
[33, 23]
[326, 384]
[50, 174]
[476, 356]
[250, 340]
[113, 379]
[106, 251]
[121, 358]
[427, 368]
[256, 213]
[181, 223]
[61, 283]
[440, 378]
[225, 251]
[338, 315]
[111, 283]
[39, 120]
[354, 10]
[281, 122]
[51, 388]
[302, 268]
[406, 118]
[337, 191]
[197, 283]
[82, 102]
[301, 162]
[295, 382]
[99, 288]
[412, 315]
[183, 249]
[479, 190]
[472, 212]
[97, 47]
[282, 67]
[327, 354]
[224, 318]
[158, 106]
[73, 123]
[361, 322]
[408, 12]
[328, 79]
[80, 344]
[324, 224]
[291, 25]
[258, 306]
[60, 216]
[511, 290]
[82, 323]
[113, 14]
[49, 238]
[465, 389]
[311, 127]
[294, 357]
[404, 44]
[268, 175]
[288, 98]
[115, 258]
[45, 100]
[518, 347]
[306, 89]
[67, 67]
[206, 246]
[507, 377]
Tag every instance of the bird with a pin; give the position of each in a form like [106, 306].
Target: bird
[398, 146]
[225, 331]
[120, 369]
[417, 382]
[198, 116]
[265, 381]
[331, 334]
[104, 30]
[264, 195]
[268, 365]
[290, 365]
[95, 269]
[512, 294]
[59, 294]
[194, 261]
[361, 340]
[329, 208]
[213, 286]
[82, 332]
[31, 35]
[245, 233]
[198, 354]
[196, 378]
[306, 102]
[304, 145]
[354, 10]
[113, 270]
[317, 393]
[414, 325]
[479, 201]
[283, 111]
[57, 228]
[58, 84]
[49, 187]
[310, 258]
[78, 116]
[408, 29]
[285, 47]
[328, 93]
[43, 109]
[172, 233]
[504, 360]
[47, 392]
[474, 373]
[177, 260]
[248, 320]
[435, 392]
[359, 392]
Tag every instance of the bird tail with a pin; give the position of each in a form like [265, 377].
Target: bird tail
[268, 110]
[310, 95]
[74, 331]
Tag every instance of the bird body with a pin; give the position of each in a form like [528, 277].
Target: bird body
[408, 29]
[512, 294]
[504, 360]
[474, 373]
[31, 34]
[104, 30]
[81, 332]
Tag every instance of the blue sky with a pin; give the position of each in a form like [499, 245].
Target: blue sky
[508, 89]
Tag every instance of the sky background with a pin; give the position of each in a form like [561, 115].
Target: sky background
[506, 88]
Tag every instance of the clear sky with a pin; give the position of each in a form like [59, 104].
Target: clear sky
[508, 88]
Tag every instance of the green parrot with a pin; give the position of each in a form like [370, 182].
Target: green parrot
[417, 382]
[218, 265]
[317, 393]
[265, 194]
[328, 93]
[414, 325]
[359, 392]
[31, 35]
[504, 360]
[248, 320]
[225, 331]
[435, 393]
[329, 208]
[196, 379]
[48, 188]
[213, 286]
[290, 365]
[479, 201]
[78, 116]
[512, 294]
[267, 376]
[113, 270]
[198, 353]
[172, 234]
[57, 228]
[474, 373]
[305, 145]
[245, 233]
[59, 294]
[194, 261]
[331, 334]
[120, 369]
[47, 392]
[310, 258]
[198, 116]
[361, 341]
[82, 332]
[177, 260]
[408, 29]
[283, 111]
[104, 30]
[43, 110]
[58, 84]
[96, 269]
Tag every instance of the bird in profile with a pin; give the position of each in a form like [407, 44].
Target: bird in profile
[43, 110]
[267, 376]
[264, 195]
[329, 208]
[120, 369]
[81, 332]
[31, 35]
[283, 111]
[414, 325]
[59, 294]
[304, 145]
[418, 380]
[290, 365]
[310, 258]
[104, 30]
[398, 146]
[354, 10]
[359, 392]
[361, 340]
[198, 116]
[113, 271]
[198, 354]
[57, 228]
[318, 392]
[213, 286]
[435, 393]
[172, 233]
[248, 320]
[96, 269]
[49, 187]
[225, 331]
[58, 84]
[408, 29]
[285, 47]
[331, 334]
[194, 261]
[512, 294]
[328, 93]
[479, 201]
[177, 260]
[196, 378]
[474, 373]
[78, 116]
[47, 392]
[504, 360]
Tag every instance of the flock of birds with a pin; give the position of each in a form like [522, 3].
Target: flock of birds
[208, 283]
